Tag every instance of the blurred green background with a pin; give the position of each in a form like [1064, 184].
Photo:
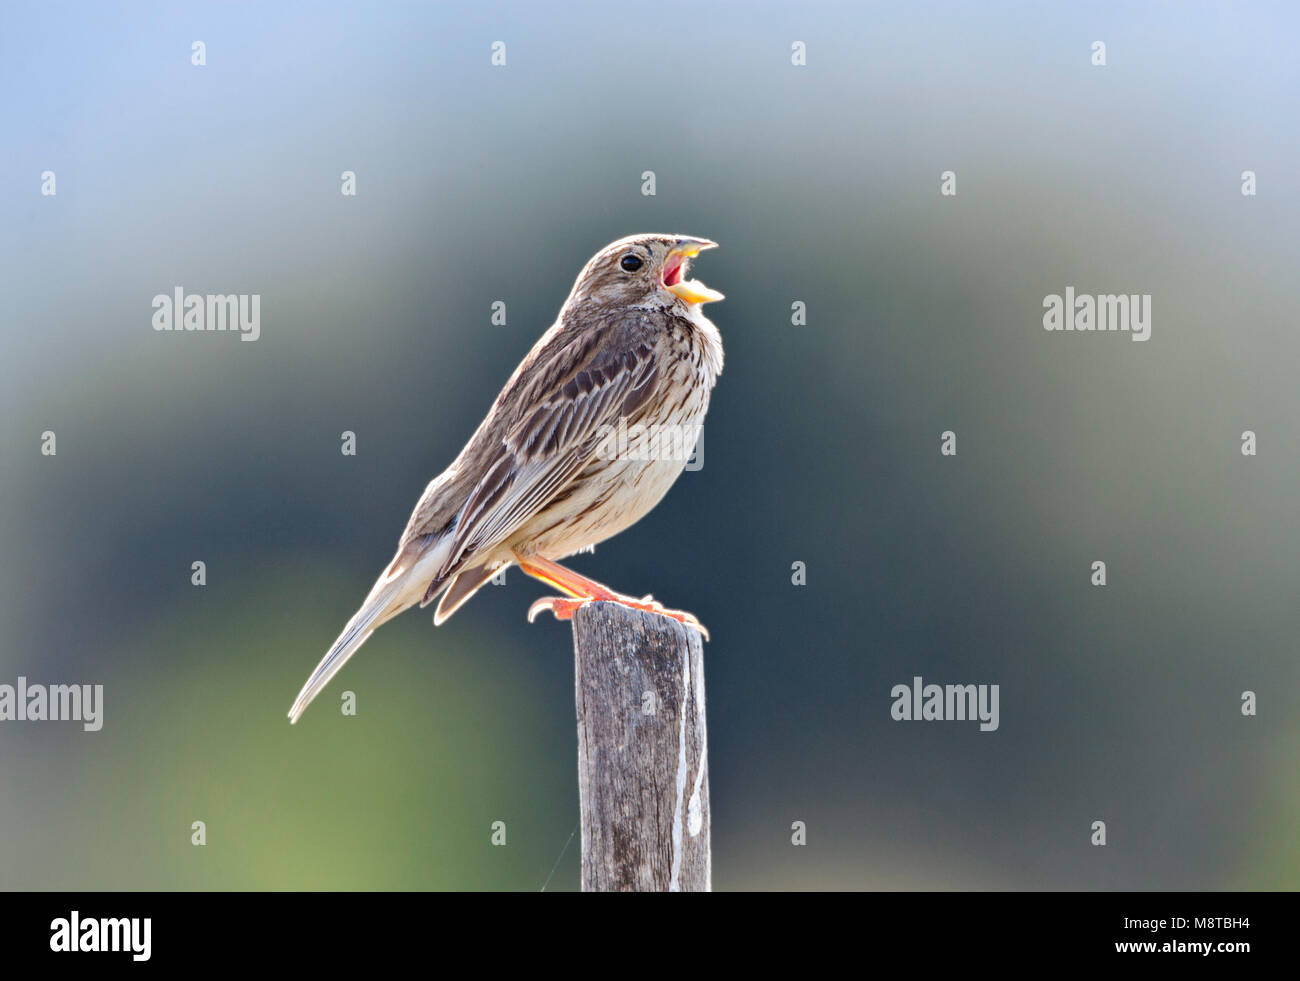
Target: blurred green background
[821, 183]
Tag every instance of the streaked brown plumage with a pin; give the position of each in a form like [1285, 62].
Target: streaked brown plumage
[538, 481]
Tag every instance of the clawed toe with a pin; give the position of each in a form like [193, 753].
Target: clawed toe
[687, 620]
[563, 608]
[582, 590]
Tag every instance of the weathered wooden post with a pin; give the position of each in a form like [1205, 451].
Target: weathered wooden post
[643, 779]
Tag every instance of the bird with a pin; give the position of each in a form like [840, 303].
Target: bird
[581, 443]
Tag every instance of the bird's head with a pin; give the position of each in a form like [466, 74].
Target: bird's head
[644, 270]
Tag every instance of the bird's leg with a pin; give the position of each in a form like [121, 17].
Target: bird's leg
[580, 590]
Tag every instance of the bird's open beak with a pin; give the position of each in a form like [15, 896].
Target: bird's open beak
[690, 290]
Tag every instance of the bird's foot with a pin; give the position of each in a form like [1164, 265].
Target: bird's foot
[564, 607]
[582, 590]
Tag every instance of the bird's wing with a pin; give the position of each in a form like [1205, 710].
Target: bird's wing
[562, 408]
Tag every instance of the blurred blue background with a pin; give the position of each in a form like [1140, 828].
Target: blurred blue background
[477, 183]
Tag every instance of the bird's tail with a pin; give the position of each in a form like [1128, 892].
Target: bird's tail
[397, 590]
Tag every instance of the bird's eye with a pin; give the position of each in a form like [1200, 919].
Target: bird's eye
[630, 263]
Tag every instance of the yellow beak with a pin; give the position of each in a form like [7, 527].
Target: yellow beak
[692, 290]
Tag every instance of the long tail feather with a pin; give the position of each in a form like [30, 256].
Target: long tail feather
[377, 609]
[398, 589]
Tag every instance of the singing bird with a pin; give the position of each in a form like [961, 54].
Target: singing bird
[544, 476]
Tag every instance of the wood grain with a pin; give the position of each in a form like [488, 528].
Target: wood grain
[642, 752]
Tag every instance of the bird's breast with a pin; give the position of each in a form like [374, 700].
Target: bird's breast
[638, 459]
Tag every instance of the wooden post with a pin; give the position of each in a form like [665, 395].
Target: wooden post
[643, 781]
